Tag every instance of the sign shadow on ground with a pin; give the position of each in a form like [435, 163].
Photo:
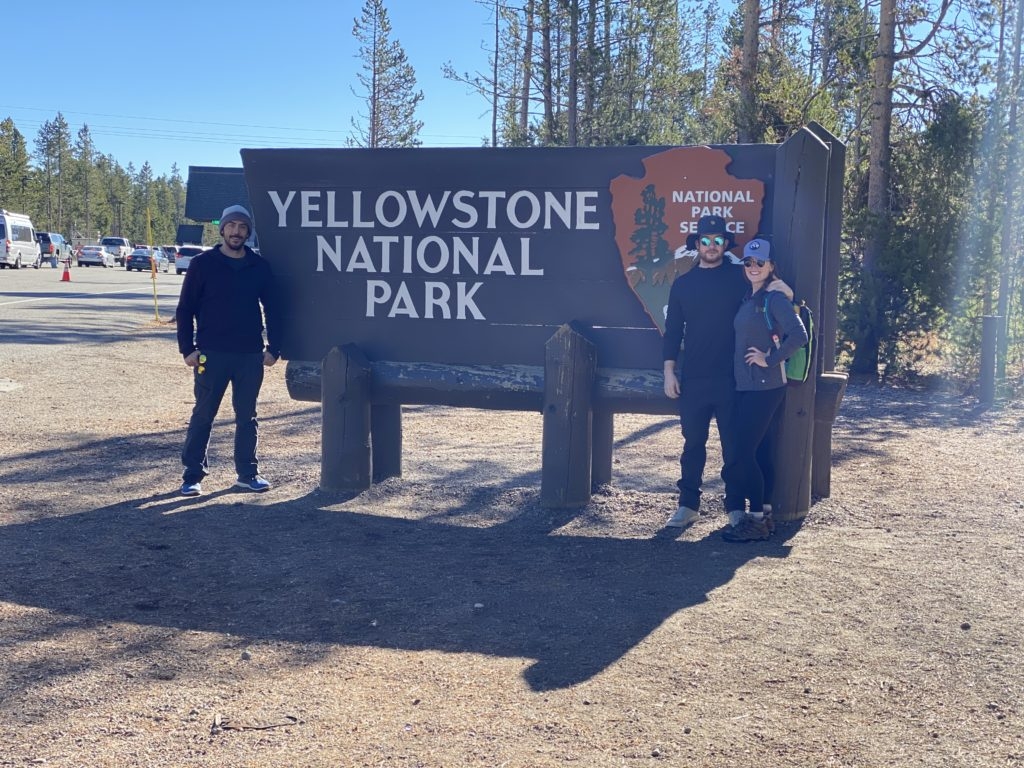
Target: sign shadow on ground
[302, 571]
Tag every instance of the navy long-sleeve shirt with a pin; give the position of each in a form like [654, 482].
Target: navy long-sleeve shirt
[223, 303]
[701, 307]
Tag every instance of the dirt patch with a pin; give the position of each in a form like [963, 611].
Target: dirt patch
[447, 619]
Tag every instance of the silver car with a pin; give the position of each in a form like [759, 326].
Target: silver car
[95, 256]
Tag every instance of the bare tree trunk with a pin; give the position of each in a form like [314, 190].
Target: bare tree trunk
[1012, 182]
[590, 76]
[524, 111]
[494, 75]
[546, 73]
[865, 359]
[374, 136]
[574, 49]
[747, 122]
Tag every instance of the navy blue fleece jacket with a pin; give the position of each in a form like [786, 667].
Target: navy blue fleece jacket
[752, 331]
[220, 305]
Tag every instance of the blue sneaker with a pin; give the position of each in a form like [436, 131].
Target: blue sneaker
[254, 483]
[191, 489]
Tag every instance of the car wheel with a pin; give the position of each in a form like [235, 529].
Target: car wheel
[17, 263]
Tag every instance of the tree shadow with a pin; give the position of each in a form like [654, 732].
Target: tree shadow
[321, 569]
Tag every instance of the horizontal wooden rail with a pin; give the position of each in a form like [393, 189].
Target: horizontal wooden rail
[507, 387]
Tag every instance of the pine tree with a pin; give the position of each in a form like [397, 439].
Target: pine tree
[388, 84]
[14, 167]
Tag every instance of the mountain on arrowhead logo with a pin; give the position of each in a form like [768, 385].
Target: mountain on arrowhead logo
[655, 214]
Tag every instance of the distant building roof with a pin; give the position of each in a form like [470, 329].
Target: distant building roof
[211, 190]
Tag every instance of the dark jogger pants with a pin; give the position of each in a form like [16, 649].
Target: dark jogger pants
[700, 400]
[244, 371]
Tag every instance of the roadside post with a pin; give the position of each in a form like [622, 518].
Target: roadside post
[156, 306]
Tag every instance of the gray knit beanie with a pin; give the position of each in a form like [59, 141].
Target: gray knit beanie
[235, 213]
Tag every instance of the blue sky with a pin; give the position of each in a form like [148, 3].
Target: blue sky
[192, 82]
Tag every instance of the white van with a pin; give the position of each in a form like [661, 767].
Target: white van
[18, 246]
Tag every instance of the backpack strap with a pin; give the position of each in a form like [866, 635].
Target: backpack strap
[768, 319]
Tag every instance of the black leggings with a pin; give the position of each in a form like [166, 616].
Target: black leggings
[744, 475]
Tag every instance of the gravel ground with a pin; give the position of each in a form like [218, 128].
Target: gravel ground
[446, 619]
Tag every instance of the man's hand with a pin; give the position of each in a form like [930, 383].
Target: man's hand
[782, 287]
[268, 359]
[192, 359]
[671, 382]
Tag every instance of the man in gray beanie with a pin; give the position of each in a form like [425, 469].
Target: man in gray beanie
[228, 290]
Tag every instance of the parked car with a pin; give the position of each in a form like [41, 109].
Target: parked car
[53, 247]
[18, 245]
[95, 256]
[185, 254]
[171, 252]
[143, 259]
[119, 246]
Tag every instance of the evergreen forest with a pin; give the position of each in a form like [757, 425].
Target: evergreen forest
[925, 95]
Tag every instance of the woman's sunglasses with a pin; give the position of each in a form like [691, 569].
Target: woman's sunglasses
[749, 262]
[718, 240]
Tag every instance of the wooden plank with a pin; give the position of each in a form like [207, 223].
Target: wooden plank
[507, 388]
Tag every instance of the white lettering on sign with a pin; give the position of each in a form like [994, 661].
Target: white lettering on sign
[436, 300]
[430, 255]
[464, 209]
[712, 196]
[457, 233]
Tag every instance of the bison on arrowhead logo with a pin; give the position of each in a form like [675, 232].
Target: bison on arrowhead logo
[656, 214]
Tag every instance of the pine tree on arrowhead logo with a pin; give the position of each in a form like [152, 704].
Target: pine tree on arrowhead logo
[656, 213]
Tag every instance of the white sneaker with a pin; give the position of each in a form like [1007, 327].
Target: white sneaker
[683, 517]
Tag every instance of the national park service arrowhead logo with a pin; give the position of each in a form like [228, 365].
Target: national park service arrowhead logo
[655, 214]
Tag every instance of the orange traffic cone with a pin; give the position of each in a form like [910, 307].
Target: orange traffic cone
[66, 277]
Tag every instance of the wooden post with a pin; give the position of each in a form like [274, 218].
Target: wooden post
[827, 397]
[798, 218]
[827, 319]
[603, 447]
[386, 438]
[987, 374]
[345, 458]
[570, 367]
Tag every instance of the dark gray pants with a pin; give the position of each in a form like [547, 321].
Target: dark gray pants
[244, 371]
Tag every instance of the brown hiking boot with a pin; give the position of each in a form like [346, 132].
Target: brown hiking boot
[748, 530]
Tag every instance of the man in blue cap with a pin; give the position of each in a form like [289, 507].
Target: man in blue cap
[701, 308]
[227, 292]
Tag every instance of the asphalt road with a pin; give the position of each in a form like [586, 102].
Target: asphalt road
[37, 307]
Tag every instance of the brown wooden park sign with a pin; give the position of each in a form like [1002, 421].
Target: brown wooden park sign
[530, 279]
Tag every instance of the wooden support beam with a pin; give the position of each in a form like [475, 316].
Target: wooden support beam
[345, 457]
[386, 439]
[827, 397]
[798, 216]
[569, 371]
[604, 441]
